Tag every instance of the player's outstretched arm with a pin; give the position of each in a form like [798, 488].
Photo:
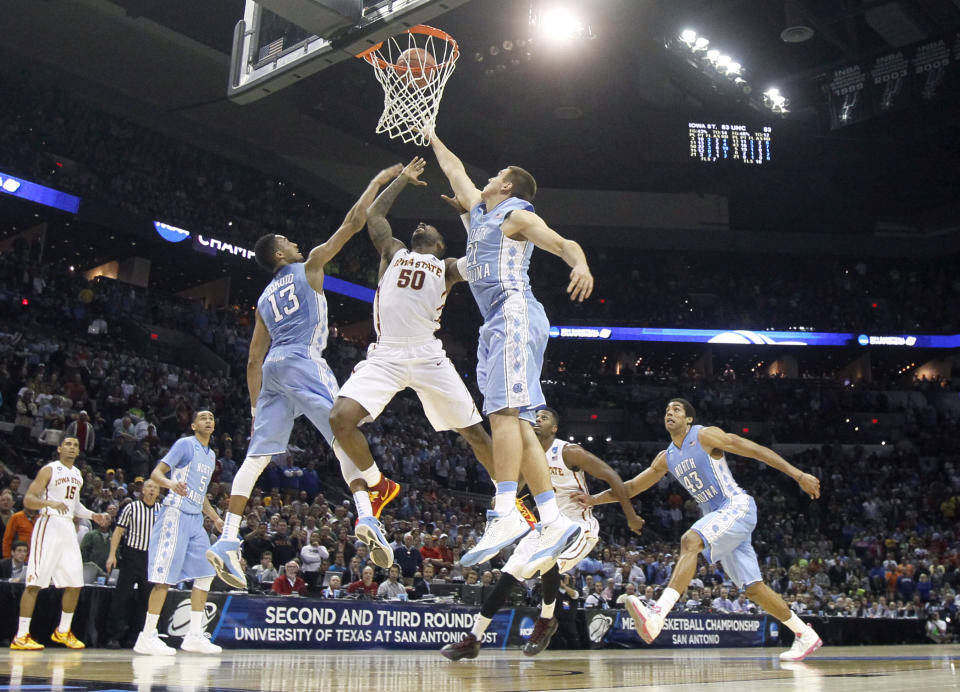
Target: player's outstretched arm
[526, 225]
[715, 438]
[259, 345]
[576, 456]
[352, 223]
[467, 194]
[638, 484]
[381, 235]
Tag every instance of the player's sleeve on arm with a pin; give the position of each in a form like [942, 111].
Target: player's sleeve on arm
[177, 456]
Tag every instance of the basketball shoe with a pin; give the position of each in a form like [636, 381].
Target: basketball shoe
[224, 555]
[804, 644]
[382, 493]
[370, 531]
[498, 534]
[468, 647]
[199, 644]
[150, 645]
[543, 632]
[25, 643]
[67, 639]
[647, 619]
[555, 537]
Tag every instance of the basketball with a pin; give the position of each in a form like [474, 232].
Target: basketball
[415, 67]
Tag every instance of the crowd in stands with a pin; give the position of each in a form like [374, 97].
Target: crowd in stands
[50, 137]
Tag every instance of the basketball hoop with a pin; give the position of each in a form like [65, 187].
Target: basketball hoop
[413, 73]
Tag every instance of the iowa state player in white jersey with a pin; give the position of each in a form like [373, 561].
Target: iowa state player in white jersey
[569, 465]
[54, 548]
[412, 288]
[291, 333]
[695, 458]
[513, 339]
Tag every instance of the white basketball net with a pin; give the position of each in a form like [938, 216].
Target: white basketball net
[411, 96]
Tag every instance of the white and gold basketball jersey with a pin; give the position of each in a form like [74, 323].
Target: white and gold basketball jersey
[410, 298]
[567, 482]
[64, 486]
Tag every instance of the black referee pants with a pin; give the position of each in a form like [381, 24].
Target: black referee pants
[129, 605]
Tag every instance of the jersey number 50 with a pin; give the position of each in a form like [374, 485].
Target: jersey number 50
[293, 303]
[413, 279]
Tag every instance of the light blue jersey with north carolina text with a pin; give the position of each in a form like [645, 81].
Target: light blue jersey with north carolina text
[294, 313]
[496, 265]
[708, 480]
[192, 463]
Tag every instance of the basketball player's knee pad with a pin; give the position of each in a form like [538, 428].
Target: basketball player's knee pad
[247, 475]
[203, 583]
[348, 469]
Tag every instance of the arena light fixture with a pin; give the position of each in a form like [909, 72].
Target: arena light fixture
[701, 43]
[688, 36]
[560, 24]
[713, 55]
[775, 101]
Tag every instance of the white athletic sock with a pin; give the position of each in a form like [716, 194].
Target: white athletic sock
[546, 611]
[480, 626]
[667, 600]
[150, 624]
[795, 623]
[24, 628]
[371, 475]
[66, 619]
[505, 501]
[196, 623]
[231, 525]
[361, 499]
[549, 512]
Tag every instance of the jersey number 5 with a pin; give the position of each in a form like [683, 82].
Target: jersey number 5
[413, 279]
[293, 303]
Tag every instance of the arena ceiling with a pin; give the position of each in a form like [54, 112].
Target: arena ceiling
[165, 62]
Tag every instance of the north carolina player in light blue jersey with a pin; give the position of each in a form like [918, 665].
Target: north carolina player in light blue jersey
[696, 459]
[178, 540]
[503, 232]
[291, 333]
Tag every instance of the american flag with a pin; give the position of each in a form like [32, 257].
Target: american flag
[271, 49]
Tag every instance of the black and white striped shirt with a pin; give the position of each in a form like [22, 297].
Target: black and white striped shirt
[137, 521]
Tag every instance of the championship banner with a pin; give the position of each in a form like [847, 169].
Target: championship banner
[264, 622]
[684, 630]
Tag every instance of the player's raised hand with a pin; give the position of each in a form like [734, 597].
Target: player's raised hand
[810, 484]
[388, 174]
[413, 170]
[180, 488]
[581, 283]
[454, 204]
[585, 500]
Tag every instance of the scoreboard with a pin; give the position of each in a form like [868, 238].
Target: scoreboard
[713, 142]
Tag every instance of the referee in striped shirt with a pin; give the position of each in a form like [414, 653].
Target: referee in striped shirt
[133, 528]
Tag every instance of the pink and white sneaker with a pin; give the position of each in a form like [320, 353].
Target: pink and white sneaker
[648, 619]
[804, 644]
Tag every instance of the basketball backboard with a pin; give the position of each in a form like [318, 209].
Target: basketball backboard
[279, 42]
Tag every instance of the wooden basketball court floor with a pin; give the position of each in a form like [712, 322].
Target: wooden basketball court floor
[840, 668]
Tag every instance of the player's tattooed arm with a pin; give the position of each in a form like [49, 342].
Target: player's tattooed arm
[714, 438]
[352, 224]
[381, 235]
[636, 485]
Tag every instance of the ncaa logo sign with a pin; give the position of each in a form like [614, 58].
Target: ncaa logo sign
[179, 623]
[863, 340]
[171, 234]
[526, 627]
